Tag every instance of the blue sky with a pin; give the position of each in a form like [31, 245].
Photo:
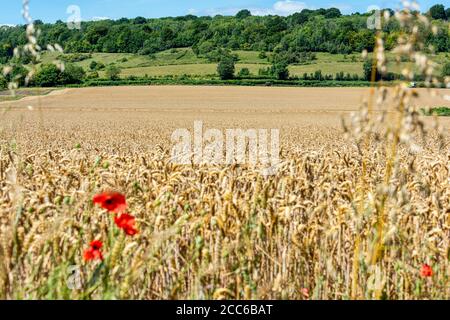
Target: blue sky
[51, 10]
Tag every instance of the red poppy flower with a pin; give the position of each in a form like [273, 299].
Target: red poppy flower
[111, 201]
[305, 293]
[426, 271]
[94, 251]
[126, 222]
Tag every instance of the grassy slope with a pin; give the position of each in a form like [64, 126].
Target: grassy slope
[184, 61]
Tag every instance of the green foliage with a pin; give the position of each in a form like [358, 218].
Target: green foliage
[264, 72]
[140, 20]
[368, 68]
[279, 67]
[24, 58]
[446, 70]
[244, 72]
[318, 75]
[49, 75]
[93, 65]
[75, 57]
[218, 54]
[388, 76]
[6, 51]
[113, 72]
[295, 57]
[240, 82]
[438, 12]
[332, 13]
[93, 75]
[17, 74]
[205, 48]
[322, 30]
[3, 82]
[341, 76]
[226, 68]
[243, 14]
[438, 111]
[72, 75]
[299, 18]
[96, 66]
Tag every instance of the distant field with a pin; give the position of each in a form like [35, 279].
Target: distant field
[191, 69]
[184, 62]
[327, 68]
[181, 69]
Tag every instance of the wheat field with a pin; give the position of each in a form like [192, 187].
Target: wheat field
[325, 226]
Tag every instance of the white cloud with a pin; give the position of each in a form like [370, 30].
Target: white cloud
[289, 7]
[220, 11]
[192, 11]
[100, 18]
[262, 11]
[282, 8]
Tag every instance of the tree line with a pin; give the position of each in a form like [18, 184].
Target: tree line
[322, 30]
[291, 39]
